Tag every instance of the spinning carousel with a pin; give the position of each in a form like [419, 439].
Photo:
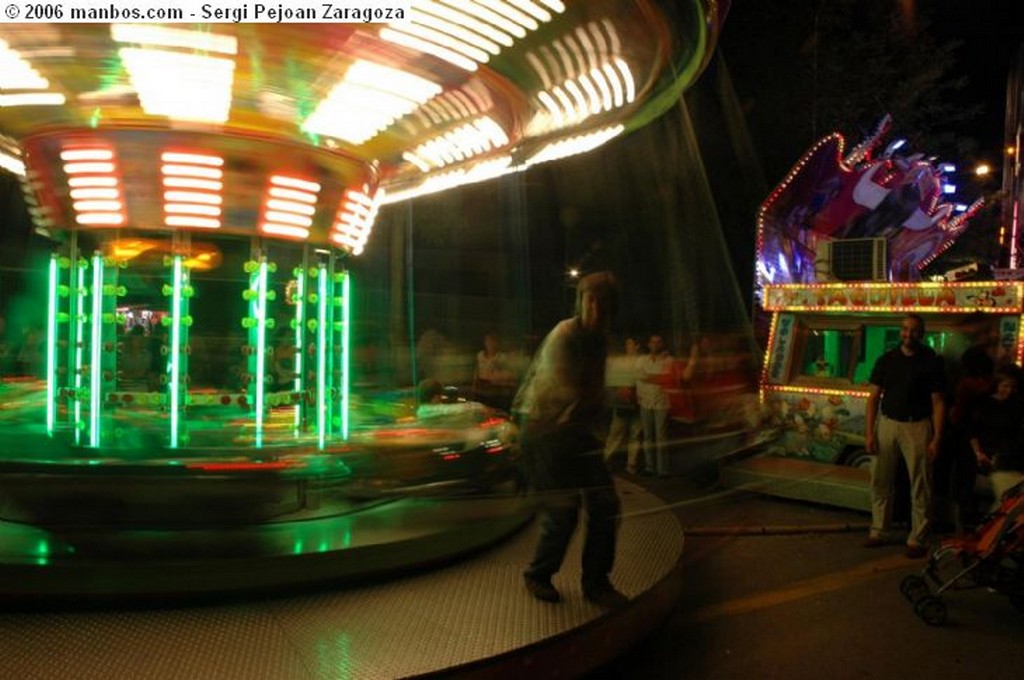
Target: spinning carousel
[205, 189]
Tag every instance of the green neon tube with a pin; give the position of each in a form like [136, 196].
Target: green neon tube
[300, 305]
[175, 381]
[79, 320]
[96, 352]
[51, 348]
[259, 312]
[321, 358]
[346, 314]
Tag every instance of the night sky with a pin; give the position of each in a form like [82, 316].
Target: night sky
[991, 33]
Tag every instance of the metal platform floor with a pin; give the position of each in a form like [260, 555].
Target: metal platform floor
[471, 618]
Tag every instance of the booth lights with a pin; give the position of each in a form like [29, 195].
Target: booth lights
[992, 297]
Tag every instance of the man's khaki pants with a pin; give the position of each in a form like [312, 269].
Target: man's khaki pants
[911, 440]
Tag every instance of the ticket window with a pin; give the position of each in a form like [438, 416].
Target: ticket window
[828, 351]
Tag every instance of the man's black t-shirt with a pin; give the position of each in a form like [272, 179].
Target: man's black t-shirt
[908, 381]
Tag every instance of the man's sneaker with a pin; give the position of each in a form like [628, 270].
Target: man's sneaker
[605, 596]
[542, 589]
[875, 542]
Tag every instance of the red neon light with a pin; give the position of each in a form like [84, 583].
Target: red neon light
[242, 467]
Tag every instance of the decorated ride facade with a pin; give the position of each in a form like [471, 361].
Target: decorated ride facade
[843, 253]
[825, 338]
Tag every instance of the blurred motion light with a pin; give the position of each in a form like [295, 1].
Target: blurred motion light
[462, 92]
[182, 86]
[367, 100]
[982, 169]
[574, 145]
[355, 218]
[583, 75]
[480, 136]
[178, 84]
[12, 164]
[16, 73]
[192, 189]
[292, 216]
[161, 36]
[604, 82]
[468, 32]
[94, 186]
[480, 172]
[32, 99]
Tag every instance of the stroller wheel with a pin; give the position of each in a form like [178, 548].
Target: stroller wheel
[931, 610]
[913, 588]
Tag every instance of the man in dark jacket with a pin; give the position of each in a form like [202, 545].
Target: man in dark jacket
[561, 405]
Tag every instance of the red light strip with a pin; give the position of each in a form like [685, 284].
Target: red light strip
[354, 219]
[192, 185]
[243, 467]
[289, 207]
[95, 188]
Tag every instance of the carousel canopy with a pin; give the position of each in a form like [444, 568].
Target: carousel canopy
[302, 131]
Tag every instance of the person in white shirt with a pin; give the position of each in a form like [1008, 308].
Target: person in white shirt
[625, 428]
[655, 372]
[493, 382]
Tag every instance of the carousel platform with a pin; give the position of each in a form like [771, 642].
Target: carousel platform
[405, 588]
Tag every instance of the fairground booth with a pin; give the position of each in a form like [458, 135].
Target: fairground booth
[846, 247]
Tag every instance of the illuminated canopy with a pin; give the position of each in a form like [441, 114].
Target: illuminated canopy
[303, 131]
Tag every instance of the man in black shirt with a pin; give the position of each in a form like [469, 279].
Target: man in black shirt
[905, 414]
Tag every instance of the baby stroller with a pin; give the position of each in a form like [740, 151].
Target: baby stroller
[992, 557]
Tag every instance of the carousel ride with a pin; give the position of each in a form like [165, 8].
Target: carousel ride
[205, 189]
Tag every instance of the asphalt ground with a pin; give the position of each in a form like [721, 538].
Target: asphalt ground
[785, 589]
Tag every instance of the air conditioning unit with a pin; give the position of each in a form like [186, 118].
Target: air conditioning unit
[851, 259]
